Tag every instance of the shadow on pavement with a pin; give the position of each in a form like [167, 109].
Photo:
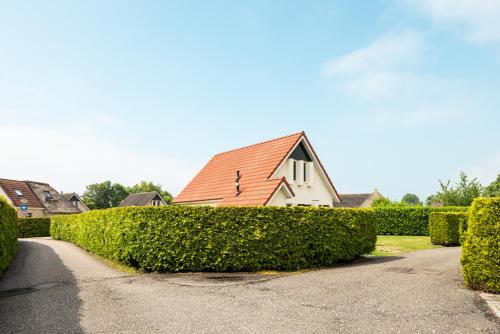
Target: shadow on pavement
[38, 294]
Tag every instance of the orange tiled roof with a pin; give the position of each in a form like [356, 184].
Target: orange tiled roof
[256, 163]
[28, 196]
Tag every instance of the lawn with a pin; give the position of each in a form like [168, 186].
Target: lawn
[388, 245]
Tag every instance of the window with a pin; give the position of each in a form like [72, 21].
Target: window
[18, 192]
[75, 203]
[303, 204]
[47, 195]
[305, 172]
[289, 204]
[294, 170]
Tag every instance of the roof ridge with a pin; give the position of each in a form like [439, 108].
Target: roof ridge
[260, 143]
[144, 192]
[12, 180]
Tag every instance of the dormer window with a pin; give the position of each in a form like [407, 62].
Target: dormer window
[47, 195]
[18, 192]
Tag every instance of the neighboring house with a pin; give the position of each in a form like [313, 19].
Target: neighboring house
[40, 199]
[152, 198]
[18, 194]
[76, 201]
[358, 200]
[281, 172]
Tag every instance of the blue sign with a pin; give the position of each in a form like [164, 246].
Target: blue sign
[24, 207]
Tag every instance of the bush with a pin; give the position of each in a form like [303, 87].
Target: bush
[444, 227]
[33, 227]
[180, 238]
[8, 234]
[407, 220]
[481, 248]
[462, 228]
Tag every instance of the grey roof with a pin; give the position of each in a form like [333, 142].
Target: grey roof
[140, 199]
[351, 200]
[56, 203]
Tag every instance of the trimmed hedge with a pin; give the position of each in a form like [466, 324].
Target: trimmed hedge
[481, 248]
[181, 238]
[33, 227]
[8, 234]
[444, 227]
[408, 220]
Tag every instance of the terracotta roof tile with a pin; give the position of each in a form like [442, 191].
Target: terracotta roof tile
[256, 163]
[28, 196]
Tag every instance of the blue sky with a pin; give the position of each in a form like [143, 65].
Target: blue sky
[394, 95]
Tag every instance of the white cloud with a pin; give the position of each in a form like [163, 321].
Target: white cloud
[479, 19]
[420, 115]
[380, 69]
[70, 161]
[486, 170]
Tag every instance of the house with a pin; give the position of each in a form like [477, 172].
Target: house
[35, 199]
[281, 172]
[76, 201]
[358, 200]
[152, 198]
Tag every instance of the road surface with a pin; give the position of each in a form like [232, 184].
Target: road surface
[55, 287]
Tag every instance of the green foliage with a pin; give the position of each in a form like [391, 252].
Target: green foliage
[493, 189]
[145, 186]
[411, 199]
[8, 234]
[481, 248]
[410, 220]
[181, 238]
[444, 227]
[104, 195]
[461, 194]
[33, 227]
[385, 202]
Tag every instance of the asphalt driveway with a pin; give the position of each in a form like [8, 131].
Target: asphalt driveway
[55, 287]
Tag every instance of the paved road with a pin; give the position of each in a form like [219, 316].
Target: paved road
[55, 287]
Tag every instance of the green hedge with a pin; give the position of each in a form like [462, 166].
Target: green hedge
[481, 248]
[444, 227]
[181, 238]
[408, 220]
[33, 227]
[8, 234]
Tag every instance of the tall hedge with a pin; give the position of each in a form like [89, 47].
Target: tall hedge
[33, 227]
[408, 220]
[444, 227]
[8, 234]
[481, 248]
[180, 238]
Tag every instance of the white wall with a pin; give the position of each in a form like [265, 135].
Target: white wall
[279, 199]
[314, 194]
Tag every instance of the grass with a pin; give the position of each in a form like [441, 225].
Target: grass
[392, 245]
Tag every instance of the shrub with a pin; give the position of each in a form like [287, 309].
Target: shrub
[33, 227]
[481, 248]
[407, 220]
[462, 228]
[8, 234]
[444, 227]
[180, 238]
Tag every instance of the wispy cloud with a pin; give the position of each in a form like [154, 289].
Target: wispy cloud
[479, 20]
[71, 160]
[380, 69]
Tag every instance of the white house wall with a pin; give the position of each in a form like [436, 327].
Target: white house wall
[279, 199]
[317, 194]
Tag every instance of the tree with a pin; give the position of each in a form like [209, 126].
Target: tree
[411, 199]
[385, 202]
[145, 186]
[493, 189]
[461, 194]
[104, 195]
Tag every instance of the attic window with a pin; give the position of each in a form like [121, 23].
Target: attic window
[47, 195]
[18, 192]
[294, 170]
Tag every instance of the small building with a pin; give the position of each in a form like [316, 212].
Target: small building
[152, 198]
[280, 172]
[358, 200]
[76, 201]
[35, 199]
